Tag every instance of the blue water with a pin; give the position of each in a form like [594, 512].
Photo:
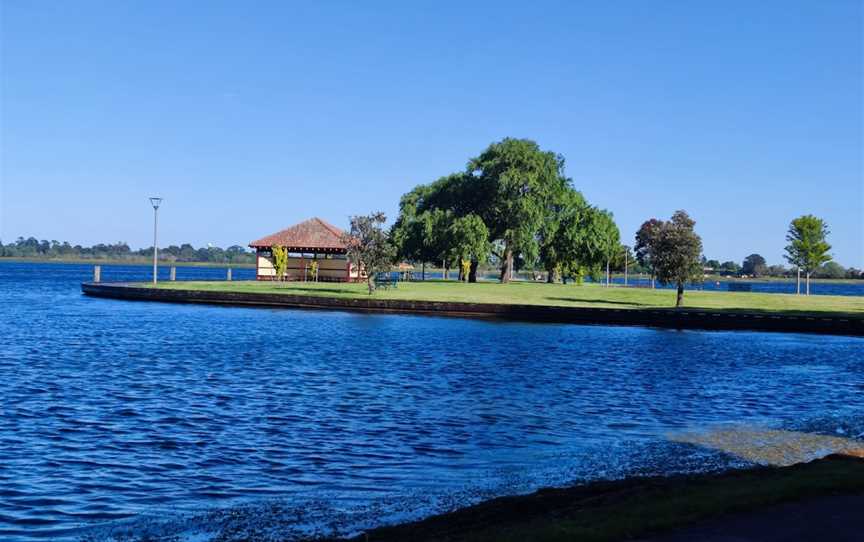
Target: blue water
[164, 421]
[766, 287]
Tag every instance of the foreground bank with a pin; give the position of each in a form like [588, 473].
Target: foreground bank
[640, 507]
[525, 302]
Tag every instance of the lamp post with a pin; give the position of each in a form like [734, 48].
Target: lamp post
[155, 202]
[626, 257]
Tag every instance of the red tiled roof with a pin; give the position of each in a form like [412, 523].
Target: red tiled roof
[310, 234]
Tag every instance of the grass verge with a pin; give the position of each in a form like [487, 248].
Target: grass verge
[586, 295]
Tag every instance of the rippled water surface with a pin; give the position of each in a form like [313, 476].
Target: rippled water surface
[193, 421]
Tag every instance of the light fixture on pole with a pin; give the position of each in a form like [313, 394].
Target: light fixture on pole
[155, 202]
[626, 258]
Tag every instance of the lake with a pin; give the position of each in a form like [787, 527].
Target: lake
[855, 288]
[191, 421]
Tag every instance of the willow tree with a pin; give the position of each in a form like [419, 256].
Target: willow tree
[560, 232]
[580, 242]
[808, 246]
[515, 189]
[422, 232]
[469, 242]
[517, 181]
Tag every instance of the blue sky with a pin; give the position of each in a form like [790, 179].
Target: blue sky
[250, 116]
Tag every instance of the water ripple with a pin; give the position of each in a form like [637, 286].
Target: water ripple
[166, 421]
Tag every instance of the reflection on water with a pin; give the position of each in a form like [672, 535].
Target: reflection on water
[181, 420]
[771, 446]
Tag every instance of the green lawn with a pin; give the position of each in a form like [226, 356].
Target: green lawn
[586, 295]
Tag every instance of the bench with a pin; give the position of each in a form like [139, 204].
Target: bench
[386, 280]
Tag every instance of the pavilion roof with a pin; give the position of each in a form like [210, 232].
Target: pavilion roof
[307, 235]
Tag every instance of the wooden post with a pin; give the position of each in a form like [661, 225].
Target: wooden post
[228, 276]
[172, 275]
[97, 273]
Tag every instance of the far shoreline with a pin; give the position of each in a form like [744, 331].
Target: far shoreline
[136, 262]
[144, 262]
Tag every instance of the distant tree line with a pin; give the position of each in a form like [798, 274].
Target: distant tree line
[35, 248]
[755, 265]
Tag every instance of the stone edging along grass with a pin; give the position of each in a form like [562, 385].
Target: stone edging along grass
[666, 318]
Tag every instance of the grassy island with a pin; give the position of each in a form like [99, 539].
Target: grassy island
[553, 295]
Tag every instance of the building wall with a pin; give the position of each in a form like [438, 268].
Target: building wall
[331, 267]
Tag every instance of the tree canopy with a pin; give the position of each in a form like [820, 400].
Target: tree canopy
[512, 203]
[675, 251]
[369, 246]
[754, 265]
[647, 241]
[808, 245]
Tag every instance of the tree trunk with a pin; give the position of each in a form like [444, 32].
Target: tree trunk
[607, 272]
[550, 276]
[798, 281]
[808, 282]
[625, 269]
[370, 281]
[423, 271]
[472, 274]
[507, 269]
[680, 299]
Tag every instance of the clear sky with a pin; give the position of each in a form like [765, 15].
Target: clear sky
[250, 116]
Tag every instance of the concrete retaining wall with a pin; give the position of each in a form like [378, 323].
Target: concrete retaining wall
[667, 318]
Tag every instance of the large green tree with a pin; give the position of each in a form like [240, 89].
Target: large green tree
[676, 251]
[518, 182]
[581, 243]
[561, 234]
[519, 194]
[808, 246]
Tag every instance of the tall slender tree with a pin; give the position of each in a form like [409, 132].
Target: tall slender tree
[647, 239]
[280, 261]
[609, 238]
[808, 246]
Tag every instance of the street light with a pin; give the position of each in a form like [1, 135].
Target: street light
[155, 202]
[626, 257]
